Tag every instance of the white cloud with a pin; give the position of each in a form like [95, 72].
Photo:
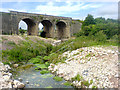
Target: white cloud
[50, 9]
[8, 9]
[108, 11]
[60, 0]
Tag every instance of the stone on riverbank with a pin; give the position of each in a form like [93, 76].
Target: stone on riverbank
[6, 80]
[99, 64]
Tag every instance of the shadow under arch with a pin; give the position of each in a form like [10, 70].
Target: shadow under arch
[47, 28]
[61, 28]
[31, 26]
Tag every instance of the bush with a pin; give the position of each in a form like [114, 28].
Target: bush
[100, 36]
[27, 50]
[22, 31]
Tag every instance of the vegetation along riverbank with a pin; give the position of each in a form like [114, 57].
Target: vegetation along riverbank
[90, 60]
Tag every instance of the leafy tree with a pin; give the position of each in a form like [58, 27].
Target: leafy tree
[99, 27]
[100, 20]
[88, 20]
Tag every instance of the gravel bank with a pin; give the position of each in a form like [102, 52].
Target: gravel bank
[6, 79]
[99, 64]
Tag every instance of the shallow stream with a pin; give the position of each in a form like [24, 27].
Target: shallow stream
[37, 80]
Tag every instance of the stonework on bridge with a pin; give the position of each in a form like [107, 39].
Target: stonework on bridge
[53, 26]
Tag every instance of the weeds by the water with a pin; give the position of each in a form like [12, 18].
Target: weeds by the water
[40, 66]
[44, 71]
[78, 78]
[27, 50]
[67, 84]
[56, 78]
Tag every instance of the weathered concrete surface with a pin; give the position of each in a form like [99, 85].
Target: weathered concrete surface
[54, 26]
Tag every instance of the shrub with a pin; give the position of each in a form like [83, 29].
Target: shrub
[57, 78]
[100, 36]
[27, 50]
[22, 31]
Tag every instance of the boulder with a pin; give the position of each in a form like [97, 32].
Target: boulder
[15, 65]
[21, 85]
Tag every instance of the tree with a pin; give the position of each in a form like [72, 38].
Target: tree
[88, 20]
[100, 20]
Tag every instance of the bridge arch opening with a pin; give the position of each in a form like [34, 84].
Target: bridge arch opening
[61, 27]
[47, 27]
[22, 27]
[40, 28]
[31, 26]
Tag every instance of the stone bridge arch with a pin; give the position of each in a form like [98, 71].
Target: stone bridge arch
[61, 29]
[54, 26]
[31, 25]
[47, 28]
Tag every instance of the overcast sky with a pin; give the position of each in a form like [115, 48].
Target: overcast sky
[77, 10]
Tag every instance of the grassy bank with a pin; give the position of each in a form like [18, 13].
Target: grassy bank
[27, 50]
[41, 54]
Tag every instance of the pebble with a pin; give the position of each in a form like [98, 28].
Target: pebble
[20, 79]
[15, 65]
[27, 82]
[6, 78]
[93, 67]
[117, 76]
[21, 85]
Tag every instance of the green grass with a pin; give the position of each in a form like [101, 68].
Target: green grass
[56, 78]
[88, 55]
[37, 60]
[11, 43]
[39, 52]
[86, 83]
[73, 44]
[67, 84]
[27, 50]
[40, 66]
[44, 71]
[49, 87]
[77, 78]
[83, 41]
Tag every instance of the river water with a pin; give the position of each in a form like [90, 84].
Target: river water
[37, 80]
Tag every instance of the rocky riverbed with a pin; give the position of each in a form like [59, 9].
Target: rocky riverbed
[99, 64]
[6, 79]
